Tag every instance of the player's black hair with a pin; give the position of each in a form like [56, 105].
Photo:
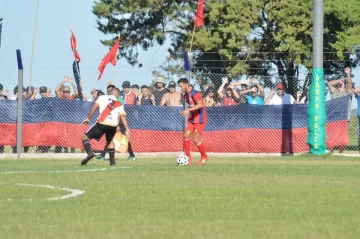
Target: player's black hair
[110, 86]
[183, 80]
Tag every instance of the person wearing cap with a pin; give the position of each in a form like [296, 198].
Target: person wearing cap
[44, 92]
[173, 97]
[231, 96]
[127, 95]
[63, 92]
[252, 95]
[31, 92]
[160, 90]
[280, 98]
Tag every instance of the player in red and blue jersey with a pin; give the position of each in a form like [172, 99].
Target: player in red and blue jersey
[196, 121]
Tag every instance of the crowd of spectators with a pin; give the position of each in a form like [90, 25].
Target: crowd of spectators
[162, 94]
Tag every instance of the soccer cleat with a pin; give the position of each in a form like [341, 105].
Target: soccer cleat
[99, 157]
[132, 158]
[202, 160]
[86, 160]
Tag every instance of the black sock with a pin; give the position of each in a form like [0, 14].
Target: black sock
[112, 155]
[103, 153]
[87, 147]
[131, 152]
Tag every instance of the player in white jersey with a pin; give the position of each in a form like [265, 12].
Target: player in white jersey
[111, 111]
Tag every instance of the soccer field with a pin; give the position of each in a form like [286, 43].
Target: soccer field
[288, 197]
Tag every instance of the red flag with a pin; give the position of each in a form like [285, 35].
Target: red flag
[199, 20]
[73, 46]
[109, 58]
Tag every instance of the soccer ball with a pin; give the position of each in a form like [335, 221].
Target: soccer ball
[182, 160]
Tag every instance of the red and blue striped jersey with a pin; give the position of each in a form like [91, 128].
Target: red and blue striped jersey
[197, 116]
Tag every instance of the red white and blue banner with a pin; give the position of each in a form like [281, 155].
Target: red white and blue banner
[243, 128]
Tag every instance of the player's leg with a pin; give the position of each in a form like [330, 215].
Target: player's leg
[187, 140]
[95, 132]
[109, 135]
[130, 151]
[199, 129]
[101, 156]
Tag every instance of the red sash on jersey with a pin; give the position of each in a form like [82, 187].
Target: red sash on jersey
[107, 110]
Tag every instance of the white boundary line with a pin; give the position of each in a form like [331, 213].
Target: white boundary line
[73, 192]
[66, 171]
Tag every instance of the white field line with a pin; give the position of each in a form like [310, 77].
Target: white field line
[73, 192]
[64, 171]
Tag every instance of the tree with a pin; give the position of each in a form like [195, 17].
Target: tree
[253, 37]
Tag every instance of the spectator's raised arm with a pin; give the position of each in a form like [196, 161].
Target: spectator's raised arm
[349, 80]
[58, 88]
[267, 101]
[72, 82]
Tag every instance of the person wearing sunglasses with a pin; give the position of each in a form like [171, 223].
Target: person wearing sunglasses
[63, 92]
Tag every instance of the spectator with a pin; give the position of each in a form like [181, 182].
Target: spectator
[6, 96]
[280, 98]
[173, 97]
[44, 92]
[210, 99]
[255, 95]
[244, 86]
[128, 96]
[31, 92]
[231, 96]
[304, 99]
[16, 93]
[49, 94]
[146, 98]
[337, 90]
[135, 89]
[63, 92]
[160, 90]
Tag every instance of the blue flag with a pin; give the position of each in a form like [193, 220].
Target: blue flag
[76, 71]
[187, 65]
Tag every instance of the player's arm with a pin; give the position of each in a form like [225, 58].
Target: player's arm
[91, 113]
[199, 104]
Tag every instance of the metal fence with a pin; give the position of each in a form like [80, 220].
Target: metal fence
[234, 124]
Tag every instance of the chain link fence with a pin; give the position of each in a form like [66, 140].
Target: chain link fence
[234, 123]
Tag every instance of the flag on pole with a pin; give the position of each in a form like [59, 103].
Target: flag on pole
[73, 46]
[199, 20]
[0, 29]
[109, 58]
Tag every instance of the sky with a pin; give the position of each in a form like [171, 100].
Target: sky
[53, 57]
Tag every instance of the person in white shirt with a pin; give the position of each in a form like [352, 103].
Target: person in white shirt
[280, 98]
[111, 111]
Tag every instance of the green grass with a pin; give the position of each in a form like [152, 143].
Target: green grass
[288, 197]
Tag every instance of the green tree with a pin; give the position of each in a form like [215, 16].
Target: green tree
[253, 37]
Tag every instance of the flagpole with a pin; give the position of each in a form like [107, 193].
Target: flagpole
[192, 38]
[33, 44]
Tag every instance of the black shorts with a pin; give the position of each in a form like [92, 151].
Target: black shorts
[98, 130]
